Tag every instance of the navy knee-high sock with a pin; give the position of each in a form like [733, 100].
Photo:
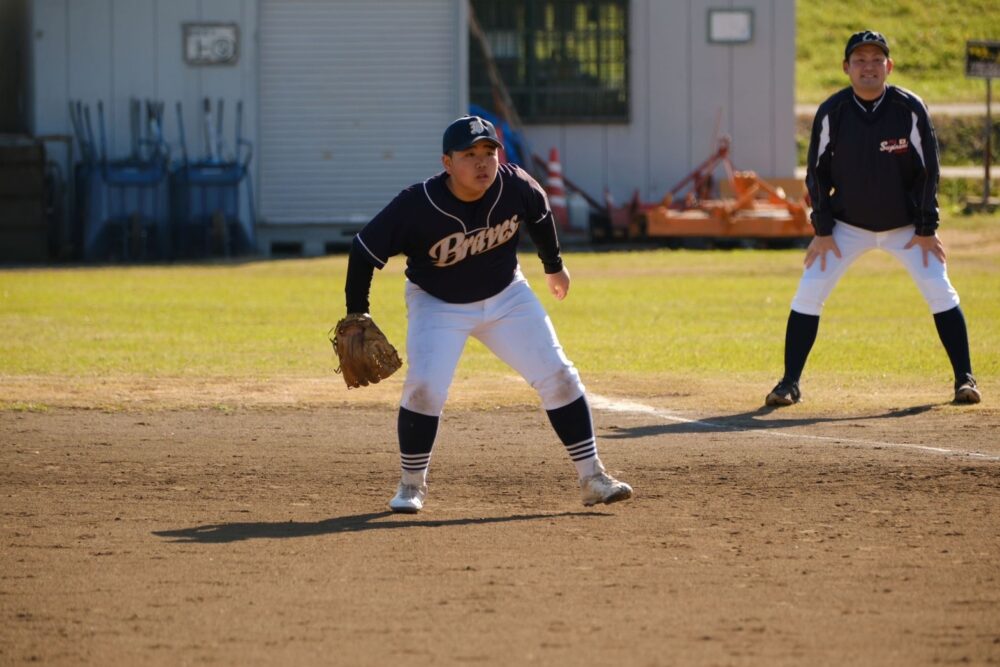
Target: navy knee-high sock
[800, 335]
[955, 338]
[575, 428]
[416, 439]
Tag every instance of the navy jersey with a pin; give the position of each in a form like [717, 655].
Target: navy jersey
[459, 251]
[875, 169]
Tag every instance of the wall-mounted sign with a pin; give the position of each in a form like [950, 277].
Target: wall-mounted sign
[211, 43]
[982, 59]
[730, 26]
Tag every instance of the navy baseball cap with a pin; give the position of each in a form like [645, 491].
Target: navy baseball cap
[866, 37]
[468, 130]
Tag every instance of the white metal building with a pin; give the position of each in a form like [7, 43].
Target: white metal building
[345, 100]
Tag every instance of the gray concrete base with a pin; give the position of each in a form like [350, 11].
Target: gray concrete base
[304, 239]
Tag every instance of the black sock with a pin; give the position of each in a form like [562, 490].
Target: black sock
[416, 439]
[799, 338]
[955, 338]
[575, 429]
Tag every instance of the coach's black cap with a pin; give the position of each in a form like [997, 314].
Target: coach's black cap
[866, 37]
[466, 131]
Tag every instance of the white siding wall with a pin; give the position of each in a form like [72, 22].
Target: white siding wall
[681, 88]
[354, 97]
[111, 50]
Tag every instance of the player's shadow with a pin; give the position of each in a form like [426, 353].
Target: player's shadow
[748, 421]
[236, 532]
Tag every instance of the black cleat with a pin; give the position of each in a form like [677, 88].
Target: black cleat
[966, 390]
[785, 392]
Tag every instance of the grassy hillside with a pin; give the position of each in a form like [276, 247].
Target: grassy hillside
[927, 40]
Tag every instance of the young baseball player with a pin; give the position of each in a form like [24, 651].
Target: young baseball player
[873, 178]
[459, 232]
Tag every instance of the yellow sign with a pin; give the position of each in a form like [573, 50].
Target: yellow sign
[982, 59]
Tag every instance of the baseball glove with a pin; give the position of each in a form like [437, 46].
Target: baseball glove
[366, 355]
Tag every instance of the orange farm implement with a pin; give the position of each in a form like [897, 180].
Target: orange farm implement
[748, 209]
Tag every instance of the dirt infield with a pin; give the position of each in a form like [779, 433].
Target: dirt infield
[259, 535]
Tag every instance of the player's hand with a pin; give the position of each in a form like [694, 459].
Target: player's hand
[558, 283]
[929, 245]
[818, 247]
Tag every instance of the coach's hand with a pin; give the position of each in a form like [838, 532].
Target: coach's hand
[929, 244]
[818, 247]
[558, 283]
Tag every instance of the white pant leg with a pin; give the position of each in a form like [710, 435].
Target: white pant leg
[932, 280]
[518, 330]
[816, 285]
[435, 337]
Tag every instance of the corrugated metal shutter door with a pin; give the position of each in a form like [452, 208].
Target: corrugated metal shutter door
[354, 96]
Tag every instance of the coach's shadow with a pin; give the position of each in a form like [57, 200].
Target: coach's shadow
[236, 532]
[748, 421]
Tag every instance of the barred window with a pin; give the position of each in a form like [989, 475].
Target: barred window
[560, 60]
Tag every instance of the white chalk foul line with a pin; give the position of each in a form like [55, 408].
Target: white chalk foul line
[615, 405]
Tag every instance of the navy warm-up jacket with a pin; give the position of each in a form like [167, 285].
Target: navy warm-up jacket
[876, 169]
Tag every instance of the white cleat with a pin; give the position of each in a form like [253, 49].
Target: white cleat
[409, 498]
[966, 391]
[603, 488]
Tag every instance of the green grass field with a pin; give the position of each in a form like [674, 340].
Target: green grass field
[699, 314]
[927, 40]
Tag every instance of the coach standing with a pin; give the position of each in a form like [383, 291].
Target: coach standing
[873, 178]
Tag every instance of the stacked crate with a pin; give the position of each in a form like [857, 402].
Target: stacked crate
[24, 223]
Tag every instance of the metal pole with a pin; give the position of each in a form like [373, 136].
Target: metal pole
[988, 137]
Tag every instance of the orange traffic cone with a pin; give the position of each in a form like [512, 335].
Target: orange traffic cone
[556, 191]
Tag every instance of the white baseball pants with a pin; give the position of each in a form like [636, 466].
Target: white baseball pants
[932, 280]
[513, 325]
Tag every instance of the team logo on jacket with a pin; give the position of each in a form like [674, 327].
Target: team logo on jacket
[894, 146]
[453, 248]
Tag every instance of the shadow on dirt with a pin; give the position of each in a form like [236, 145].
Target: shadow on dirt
[750, 421]
[236, 532]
